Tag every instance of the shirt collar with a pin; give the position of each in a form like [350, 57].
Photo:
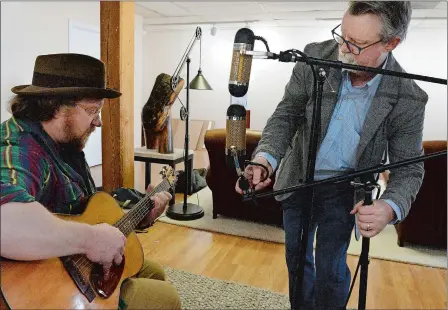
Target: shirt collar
[37, 130]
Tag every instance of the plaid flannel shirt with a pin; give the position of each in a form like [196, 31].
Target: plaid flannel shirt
[34, 169]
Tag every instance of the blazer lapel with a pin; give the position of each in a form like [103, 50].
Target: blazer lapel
[382, 103]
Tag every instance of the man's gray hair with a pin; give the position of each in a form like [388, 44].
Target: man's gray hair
[395, 15]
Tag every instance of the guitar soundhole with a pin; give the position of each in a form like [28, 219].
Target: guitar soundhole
[105, 286]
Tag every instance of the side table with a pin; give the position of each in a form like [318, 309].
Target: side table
[149, 156]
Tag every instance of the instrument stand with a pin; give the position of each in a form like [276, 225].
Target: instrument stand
[186, 211]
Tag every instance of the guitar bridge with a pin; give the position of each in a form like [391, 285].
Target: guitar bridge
[76, 275]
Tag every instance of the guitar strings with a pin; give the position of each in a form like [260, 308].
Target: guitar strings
[138, 212]
[135, 215]
[143, 202]
[85, 270]
[85, 264]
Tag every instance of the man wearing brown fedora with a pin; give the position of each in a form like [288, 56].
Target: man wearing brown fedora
[44, 169]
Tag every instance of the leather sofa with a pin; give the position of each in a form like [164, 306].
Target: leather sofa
[221, 179]
[426, 221]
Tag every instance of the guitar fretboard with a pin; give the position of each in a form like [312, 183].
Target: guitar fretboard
[128, 222]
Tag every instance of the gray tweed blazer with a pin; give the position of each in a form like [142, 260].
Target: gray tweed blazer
[395, 120]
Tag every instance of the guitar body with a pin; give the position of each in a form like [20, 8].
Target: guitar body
[156, 119]
[47, 284]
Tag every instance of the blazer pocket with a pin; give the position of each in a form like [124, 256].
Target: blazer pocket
[284, 159]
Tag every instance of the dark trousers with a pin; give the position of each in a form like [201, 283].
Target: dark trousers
[326, 276]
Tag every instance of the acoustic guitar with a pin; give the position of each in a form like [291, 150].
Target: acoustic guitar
[156, 114]
[74, 282]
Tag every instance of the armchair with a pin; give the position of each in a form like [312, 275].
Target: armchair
[426, 223]
[221, 180]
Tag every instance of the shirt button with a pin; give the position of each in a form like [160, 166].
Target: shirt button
[339, 117]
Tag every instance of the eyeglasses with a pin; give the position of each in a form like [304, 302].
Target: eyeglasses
[352, 47]
[92, 112]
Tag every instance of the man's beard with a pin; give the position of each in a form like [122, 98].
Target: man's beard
[349, 59]
[75, 142]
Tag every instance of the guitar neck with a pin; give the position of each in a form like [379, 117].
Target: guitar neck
[129, 222]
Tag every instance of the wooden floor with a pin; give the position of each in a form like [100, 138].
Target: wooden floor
[391, 285]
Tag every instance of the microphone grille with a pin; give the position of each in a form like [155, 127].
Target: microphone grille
[240, 68]
[236, 135]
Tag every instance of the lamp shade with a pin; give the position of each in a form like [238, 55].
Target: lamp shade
[199, 82]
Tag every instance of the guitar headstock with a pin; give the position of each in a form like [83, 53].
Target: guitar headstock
[170, 175]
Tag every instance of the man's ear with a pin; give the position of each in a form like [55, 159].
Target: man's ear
[58, 113]
[61, 111]
[392, 44]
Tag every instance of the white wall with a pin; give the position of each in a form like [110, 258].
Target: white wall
[85, 39]
[424, 52]
[29, 29]
[33, 28]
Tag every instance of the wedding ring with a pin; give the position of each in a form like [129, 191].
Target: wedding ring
[368, 226]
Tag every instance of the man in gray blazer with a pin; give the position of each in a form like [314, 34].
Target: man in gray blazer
[364, 117]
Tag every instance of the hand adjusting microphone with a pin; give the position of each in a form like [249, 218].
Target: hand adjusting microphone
[236, 139]
[242, 55]
[236, 145]
[238, 85]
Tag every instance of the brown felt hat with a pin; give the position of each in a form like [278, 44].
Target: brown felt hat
[68, 75]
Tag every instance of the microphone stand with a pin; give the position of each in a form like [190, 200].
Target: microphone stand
[294, 55]
[368, 187]
[363, 262]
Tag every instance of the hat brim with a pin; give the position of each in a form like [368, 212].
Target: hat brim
[90, 92]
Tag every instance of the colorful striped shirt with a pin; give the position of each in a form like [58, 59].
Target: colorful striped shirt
[35, 168]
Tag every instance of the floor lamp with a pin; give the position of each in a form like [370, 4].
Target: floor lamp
[188, 211]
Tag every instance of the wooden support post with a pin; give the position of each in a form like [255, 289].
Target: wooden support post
[117, 52]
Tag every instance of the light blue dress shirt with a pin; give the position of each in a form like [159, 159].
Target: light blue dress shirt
[337, 153]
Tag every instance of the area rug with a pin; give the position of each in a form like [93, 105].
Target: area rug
[199, 292]
[383, 246]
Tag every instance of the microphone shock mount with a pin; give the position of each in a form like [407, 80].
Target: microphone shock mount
[243, 182]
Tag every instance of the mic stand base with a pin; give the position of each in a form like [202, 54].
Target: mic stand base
[185, 212]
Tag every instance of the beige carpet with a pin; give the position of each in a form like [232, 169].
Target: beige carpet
[383, 246]
[199, 292]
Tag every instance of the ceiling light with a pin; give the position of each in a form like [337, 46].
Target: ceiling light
[214, 30]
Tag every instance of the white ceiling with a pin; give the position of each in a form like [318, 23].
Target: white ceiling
[274, 13]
